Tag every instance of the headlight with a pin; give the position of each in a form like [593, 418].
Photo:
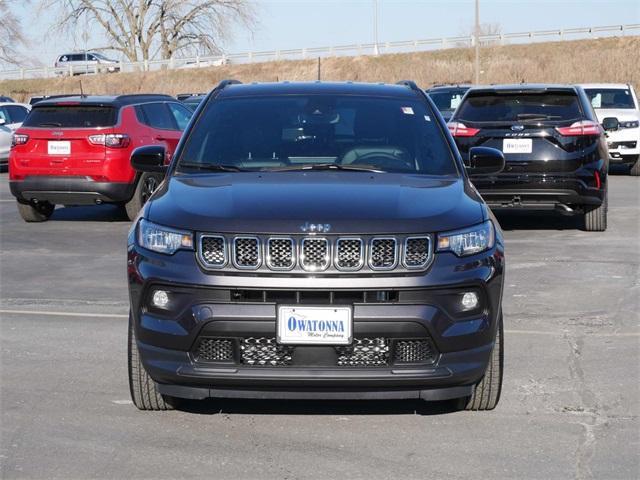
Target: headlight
[630, 124]
[163, 239]
[469, 240]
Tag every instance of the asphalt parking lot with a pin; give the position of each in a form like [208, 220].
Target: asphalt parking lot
[570, 405]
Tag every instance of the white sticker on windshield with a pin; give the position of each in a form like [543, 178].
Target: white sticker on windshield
[427, 118]
[407, 110]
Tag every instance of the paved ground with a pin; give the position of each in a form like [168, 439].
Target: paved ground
[570, 406]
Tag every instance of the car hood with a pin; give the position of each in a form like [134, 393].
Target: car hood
[622, 114]
[350, 202]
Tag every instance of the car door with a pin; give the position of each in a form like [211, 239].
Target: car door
[17, 114]
[164, 126]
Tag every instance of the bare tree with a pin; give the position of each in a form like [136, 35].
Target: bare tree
[11, 35]
[148, 29]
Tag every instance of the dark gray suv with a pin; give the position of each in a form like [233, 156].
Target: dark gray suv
[316, 241]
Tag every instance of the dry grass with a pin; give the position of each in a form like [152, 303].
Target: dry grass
[600, 60]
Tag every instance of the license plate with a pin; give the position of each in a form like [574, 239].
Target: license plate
[517, 145]
[314, 325]
[60, 147]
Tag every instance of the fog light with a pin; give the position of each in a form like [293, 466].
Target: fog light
[470, 301]
[160, 299]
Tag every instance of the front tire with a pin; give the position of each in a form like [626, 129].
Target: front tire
[147, 184]
[595, 218]
[144, 392]
[35, 212]
[486, 393]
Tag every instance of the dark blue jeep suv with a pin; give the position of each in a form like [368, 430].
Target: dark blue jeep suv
[316, 241]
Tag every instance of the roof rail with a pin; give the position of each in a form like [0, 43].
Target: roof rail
[226, 83]
[411, 84]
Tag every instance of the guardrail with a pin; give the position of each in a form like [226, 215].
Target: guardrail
[405, 46]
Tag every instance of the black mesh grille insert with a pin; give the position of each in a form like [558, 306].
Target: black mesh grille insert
[383, 253]
[315, 254]
[349, 256]
[213, 251]
[264, 351]
[280, 253]
[215, 349]
[416, 253]
[364, 352]
[414, 351]
[246, 252]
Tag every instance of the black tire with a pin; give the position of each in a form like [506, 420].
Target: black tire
[144, 392]
[486, 393]
[35, 212]
[595, 218]
[147, 184]
[634, 171]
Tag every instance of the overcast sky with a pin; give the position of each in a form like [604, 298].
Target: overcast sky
[308, 23]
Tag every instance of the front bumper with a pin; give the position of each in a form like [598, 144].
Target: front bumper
[240, 307]
[70, 190]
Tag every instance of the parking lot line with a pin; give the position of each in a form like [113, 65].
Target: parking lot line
[119, 315]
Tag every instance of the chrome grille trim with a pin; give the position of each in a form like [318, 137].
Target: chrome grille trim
[312, 247]
[341, 253]
[276, 262]
[379, 260]
[243, 257]
[202, 255]
[408, 258]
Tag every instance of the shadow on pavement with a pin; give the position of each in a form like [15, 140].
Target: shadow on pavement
[313, 407]
[528, 220]
[91, 213]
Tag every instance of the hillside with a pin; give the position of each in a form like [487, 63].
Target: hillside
[598, 60]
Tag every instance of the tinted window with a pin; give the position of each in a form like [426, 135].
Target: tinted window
[181, 114]
[4, 115]
[394, 135]
[610, 97]
[511, 107]
[71, 116]
[447, 99]
[157, 115]
[17, 113]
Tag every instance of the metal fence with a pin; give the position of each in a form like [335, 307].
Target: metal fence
[334, 51]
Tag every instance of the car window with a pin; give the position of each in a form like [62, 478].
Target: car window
[513, 107]
[610, 97]
[4, 115]
[267, 133]
[181, 114]
[448, 99]
[17, 113]
[157, 115]
[91, 57]
[71, 116]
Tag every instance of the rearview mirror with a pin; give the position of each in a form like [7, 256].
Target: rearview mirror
[610, 123]
[485, 161]
[149, 159]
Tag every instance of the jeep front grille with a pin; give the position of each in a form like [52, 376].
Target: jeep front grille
[280, 254]
[246, 252]
[315, 254]
[301, 254]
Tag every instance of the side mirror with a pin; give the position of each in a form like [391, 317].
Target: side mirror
[610, 123]
[485, 161]
[149, 159]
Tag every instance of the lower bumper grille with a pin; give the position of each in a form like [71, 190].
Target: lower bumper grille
[363, 352]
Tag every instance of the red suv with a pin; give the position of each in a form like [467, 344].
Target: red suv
[76, 151]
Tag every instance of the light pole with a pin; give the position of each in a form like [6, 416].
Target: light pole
[375, 27]
[477, 43]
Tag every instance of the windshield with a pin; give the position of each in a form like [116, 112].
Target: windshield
[317, 131]
[71, 116]
[514, 107]
[449, 99]
[610, 97]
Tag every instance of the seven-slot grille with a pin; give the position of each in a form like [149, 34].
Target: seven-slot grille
[315, 254]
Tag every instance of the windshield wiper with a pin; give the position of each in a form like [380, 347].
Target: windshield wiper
[50, 124]
[212, 167]
[536, 116]
[329, 166]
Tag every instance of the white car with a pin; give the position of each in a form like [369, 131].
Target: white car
[617, 108]
[11, 117]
